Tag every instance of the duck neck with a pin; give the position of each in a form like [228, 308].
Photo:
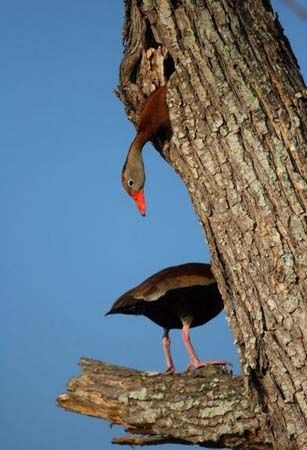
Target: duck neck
[138, 143]
[135, 152]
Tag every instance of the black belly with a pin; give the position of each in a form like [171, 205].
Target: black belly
[197, 304]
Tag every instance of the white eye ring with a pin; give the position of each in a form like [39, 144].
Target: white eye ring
[130, 183]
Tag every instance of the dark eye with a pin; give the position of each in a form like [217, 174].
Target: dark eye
[130, 182]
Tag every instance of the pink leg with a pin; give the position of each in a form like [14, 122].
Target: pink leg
[194, 360]
[166, 344]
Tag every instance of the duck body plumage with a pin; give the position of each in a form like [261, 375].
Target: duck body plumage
[181, 297]
[186, 292]
[154, 119]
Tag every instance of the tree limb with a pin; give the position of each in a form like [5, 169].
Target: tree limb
[208, 407]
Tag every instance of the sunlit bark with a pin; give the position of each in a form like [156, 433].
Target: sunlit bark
[238, 109]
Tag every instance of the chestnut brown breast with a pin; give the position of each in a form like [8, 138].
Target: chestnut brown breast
[154, 118]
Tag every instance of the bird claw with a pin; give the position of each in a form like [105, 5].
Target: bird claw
[192, 366]
[170, 369]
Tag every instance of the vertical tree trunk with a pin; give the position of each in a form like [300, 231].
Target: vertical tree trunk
[237, 103]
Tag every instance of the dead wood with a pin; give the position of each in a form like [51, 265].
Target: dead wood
[208, 406]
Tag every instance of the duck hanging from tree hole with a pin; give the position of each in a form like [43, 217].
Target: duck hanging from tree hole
[153, 123]
[183, 297]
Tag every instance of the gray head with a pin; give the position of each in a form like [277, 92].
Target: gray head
[133, 179]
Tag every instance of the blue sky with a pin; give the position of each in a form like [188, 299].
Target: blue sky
[71, 240]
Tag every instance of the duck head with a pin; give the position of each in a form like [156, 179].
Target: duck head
[133, 180]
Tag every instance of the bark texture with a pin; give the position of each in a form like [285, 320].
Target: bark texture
[238, 109]
[207, 407]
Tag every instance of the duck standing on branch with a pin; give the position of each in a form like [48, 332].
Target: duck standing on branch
[183, 297]
[153, 123]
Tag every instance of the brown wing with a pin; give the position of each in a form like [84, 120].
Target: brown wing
[184, 275]
[156, 286]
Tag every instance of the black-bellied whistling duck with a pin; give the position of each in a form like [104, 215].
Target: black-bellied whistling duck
[154, 122]
[183, 297]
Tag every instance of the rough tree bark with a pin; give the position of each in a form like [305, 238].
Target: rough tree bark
[238, 109]
[207, 407]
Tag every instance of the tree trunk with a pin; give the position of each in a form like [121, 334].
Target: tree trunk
[237, 104]
[207, 407]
